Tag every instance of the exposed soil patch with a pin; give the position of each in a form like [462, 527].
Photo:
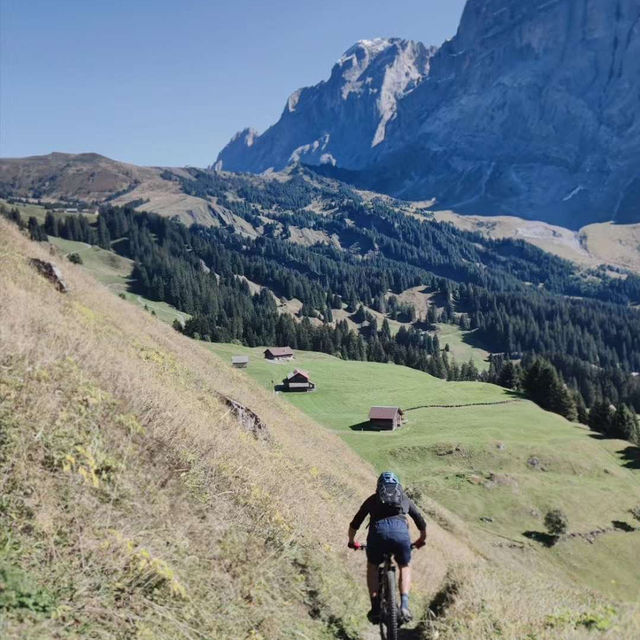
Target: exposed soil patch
[248, 419]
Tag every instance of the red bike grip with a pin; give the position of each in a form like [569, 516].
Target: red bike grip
[356, 546]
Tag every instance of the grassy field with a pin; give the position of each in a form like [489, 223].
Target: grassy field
[477, 461]
[461, 345]
[114, 271]
[39, 212]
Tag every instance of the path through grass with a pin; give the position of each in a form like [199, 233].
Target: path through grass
[508, 463]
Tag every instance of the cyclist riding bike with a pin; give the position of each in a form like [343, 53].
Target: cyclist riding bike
[387, 509]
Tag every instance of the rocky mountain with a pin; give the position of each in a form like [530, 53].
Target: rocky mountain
[531, 110]
[338, 121]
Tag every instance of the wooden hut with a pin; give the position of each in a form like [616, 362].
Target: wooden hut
[299, 380]
[240, 362]
[279, 354]
[389, 418]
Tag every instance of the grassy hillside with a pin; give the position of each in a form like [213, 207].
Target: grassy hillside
[462, 345]
[597, 244]
[114, 271]
[480, 461]
[135, 504]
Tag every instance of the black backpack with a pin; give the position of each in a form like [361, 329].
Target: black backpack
[392, 496]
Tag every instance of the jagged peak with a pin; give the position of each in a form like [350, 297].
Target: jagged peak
[371, 47]
[247, 136]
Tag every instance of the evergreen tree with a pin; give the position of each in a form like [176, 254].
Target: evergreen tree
[624, 424]
[51, 224]
[507, 377]
[36, 232]
[600, 417]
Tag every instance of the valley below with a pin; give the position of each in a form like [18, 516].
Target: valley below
[126, 459]
[425, 270]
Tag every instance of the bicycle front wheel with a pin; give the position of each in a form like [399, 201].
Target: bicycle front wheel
[391, 610]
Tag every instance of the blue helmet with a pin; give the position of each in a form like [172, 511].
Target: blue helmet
[388, 477]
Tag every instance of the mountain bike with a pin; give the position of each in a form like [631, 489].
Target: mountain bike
[388, 595]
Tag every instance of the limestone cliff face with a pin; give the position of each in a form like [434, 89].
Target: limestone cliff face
[340, 120]
[531, 109]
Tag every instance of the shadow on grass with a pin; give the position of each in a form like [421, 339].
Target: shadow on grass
[364, 426]
[631, 457]
[545, 539]
[622, 526]
[472, 339]
[281, 388]
[424, 326]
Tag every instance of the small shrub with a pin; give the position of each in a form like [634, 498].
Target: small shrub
[17, 593]
[76, 258]
[122, 295]
[556, 522]
[598, 621]
[635, 512]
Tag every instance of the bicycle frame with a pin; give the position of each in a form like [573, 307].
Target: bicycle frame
[388, 593]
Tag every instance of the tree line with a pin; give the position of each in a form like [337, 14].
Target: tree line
[514, 297]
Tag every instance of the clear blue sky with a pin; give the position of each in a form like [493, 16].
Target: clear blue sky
[169, 82]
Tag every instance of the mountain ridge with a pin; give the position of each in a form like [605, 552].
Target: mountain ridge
[339, 119]
[69, 177]
[529, 110]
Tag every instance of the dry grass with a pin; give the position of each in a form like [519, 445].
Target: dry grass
[135, 506]
[115, 436]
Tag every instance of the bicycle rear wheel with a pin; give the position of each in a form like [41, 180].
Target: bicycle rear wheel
[389, 618]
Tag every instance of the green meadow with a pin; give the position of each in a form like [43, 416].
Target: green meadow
[461, 345]
[28, 210]
[500, 467]
[114, 271]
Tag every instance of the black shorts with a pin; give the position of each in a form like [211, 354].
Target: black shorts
[390, 535]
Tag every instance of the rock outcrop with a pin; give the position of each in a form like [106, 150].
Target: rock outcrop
[51, 273]
[338, 121]
[532, 109]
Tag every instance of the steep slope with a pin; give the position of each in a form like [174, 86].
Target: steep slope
[136, 505]
[340, 120]
[530, 110]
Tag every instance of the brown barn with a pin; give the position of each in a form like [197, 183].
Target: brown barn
[240, 362]
[299, 380]
[386, 417]
[279, 354]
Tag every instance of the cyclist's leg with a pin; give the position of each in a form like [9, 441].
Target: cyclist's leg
[402, 555]
[405, 579]
[374, 558]
[372, 579]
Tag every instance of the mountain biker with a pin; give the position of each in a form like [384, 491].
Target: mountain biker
[387, 509]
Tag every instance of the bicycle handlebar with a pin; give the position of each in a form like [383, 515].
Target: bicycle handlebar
[363, 547]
